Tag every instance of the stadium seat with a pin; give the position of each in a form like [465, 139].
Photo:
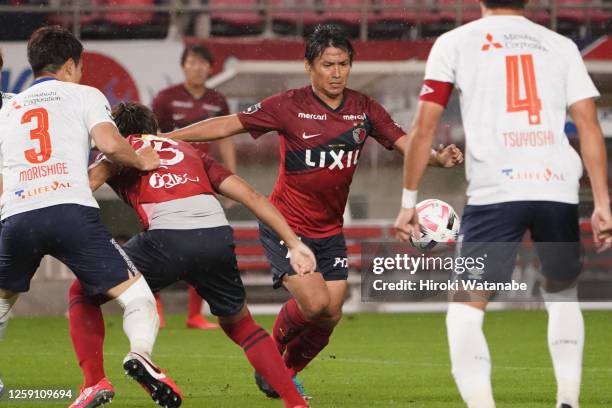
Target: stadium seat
[288, 15]
[591, 11]
[124, 24]
[537, 11]
[343, 12]
[470, 10]
[392, 18]
[582, 17]
[129, 18]
[247, 20]
[19, 25]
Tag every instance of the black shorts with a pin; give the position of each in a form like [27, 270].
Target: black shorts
[330, 253]
[204, 258]
[498, 229]
[72, 233]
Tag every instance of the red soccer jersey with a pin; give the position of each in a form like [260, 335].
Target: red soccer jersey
[183, 172]
[319, 150]
[175, 108]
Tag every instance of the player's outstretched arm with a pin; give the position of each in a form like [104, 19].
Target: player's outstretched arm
[119, 151]
[209, 129]
[444, 156]
[301, 257]
[593, 151]
[416, 158]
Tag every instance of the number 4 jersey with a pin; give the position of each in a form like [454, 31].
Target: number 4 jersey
[45, 144]
[516, 80]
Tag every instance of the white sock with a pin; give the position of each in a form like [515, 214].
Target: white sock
[565, 342]
[140, 319]
[5, 307]
[470, 358]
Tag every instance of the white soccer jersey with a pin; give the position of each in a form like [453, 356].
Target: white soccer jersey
[516, 80]
[45, 144]
[4, 98]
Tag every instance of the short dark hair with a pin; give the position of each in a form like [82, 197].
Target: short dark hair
[50, 47]
[511, 4]
[199, 50]
[324, 36]
[133, 118]
[1, 60]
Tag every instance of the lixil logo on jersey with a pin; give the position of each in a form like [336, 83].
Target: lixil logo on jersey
[490, 43]
[340, 159]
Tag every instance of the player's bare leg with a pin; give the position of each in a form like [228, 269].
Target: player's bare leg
[469, 352]
[261, 352]
[565, 339]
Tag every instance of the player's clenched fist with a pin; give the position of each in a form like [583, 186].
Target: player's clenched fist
[449, 156]
[601, 222]
[302, 259]
[148, 159]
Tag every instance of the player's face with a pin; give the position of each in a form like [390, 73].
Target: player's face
[196, 69]
[329, 72]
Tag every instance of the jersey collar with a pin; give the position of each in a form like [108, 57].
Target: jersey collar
[42, 79]
[325, 104]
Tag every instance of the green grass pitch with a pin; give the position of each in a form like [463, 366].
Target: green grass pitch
[374, 360]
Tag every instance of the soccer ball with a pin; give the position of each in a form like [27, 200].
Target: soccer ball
[438, 222]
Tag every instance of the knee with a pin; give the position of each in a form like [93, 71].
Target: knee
[315, 309]
[333, 316]
[6, 294]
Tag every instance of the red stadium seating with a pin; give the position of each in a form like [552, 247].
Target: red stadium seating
[568, 10]
[246, 20]
[126, 18]
[392, 18]
[288, 14]
[537, 11]
[470, 10]
[386, 11]
[342, 11]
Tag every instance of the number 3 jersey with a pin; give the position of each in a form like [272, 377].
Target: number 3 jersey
[516, 80]
[45, 144]
[177, 195]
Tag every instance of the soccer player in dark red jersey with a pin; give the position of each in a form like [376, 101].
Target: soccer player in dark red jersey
[323, 128]
[186, 237]
[181, 105]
